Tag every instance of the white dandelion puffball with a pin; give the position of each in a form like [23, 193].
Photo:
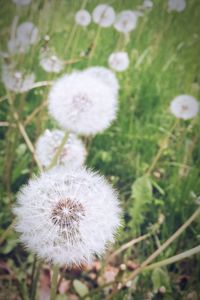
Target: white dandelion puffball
[82, 104]
[51, 63]
[103, 15]
[27, 34]
[14, 46]
[22, 2]
[67, 216]
[17, 81]
[176, 5]
[118, 61]
[184, 107]
[126, 21]
[73, 153]
[83, 18]
[147, 4]
[104, 74]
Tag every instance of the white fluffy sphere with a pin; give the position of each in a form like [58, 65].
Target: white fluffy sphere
[17, 81]
[103, 15]
[118, 61]
[176, 5]
[51, 63]
[83, 17]
[73, 154]
[67, 216]
[82, 104]
[184, 107]
[22, 2]
[27, 34]
[126, 21]
[106, 75]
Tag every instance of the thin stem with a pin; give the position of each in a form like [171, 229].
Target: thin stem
[59, 151]
[24, 134]
[157, 252]
[166, 243]
[173, 259]
[54, 282]
[94, 45]
[35, 278]
[34, 113]
[128, 245]
[41, 84]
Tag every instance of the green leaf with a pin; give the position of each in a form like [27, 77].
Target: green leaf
[160, 278]
[142, 195]
[142, 189]
[80, 288]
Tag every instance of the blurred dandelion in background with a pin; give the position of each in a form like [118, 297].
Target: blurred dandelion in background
[118, 61]
[22, 2]
[73, 152]
[176, 5]
[103, 15]
[184, 107]
[50, 62]
[83, 18]
[67, 216]
[17, 81]
[126, 21]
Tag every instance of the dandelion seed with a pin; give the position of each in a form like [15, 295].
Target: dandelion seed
[104, 15]
[118, 61]
[176, 5]
[107, 77]
[50, 62]
[82, 104]
[184, 107]
[83, 18]
[22, 2]
[73, 153]
[126, 21]
[67, 216]
[17, 81]
[27, 34]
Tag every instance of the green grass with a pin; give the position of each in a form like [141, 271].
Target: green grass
[164, 62]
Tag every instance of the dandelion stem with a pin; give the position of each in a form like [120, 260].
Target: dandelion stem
[59, 151]
[174, 258]
[54, 282]
[94, 45]
[24, 134]
[36, 274]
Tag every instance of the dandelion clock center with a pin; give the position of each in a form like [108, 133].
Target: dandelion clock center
[67, 213]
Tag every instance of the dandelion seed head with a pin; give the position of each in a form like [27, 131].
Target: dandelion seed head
[126, 21]
[83, 18]
[147, 4]
[107, 77]
[73, 153]
[50, 62]
[82, 104]
[17, 81]
[184, 107]
[67, 216]
[103, 15]
[118, 61]
[176, 5]
[22, 2]
[27, 34]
